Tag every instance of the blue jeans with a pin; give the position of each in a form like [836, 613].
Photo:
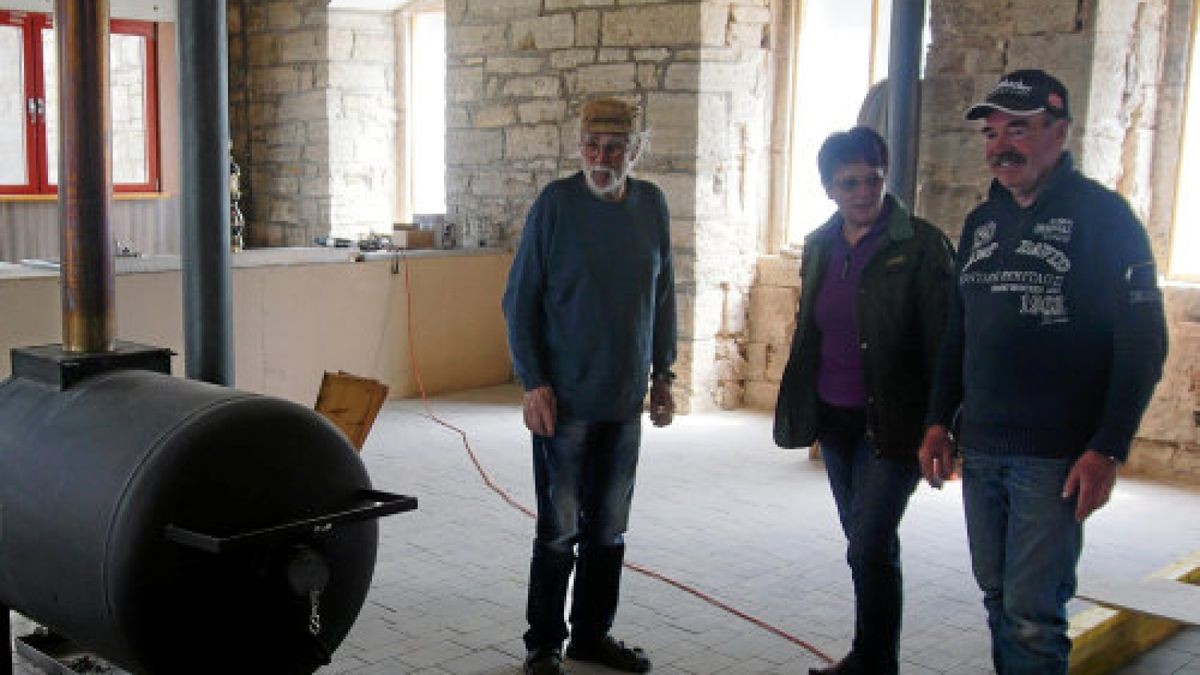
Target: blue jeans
[584, 478]
[1025, 544]
[871, 494]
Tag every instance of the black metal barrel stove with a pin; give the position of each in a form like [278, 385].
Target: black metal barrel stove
[168, 525]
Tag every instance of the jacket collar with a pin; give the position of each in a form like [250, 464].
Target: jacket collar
[1059, 176]
[899, 222]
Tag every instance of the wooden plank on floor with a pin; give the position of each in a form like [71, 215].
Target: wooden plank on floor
[1163, 598]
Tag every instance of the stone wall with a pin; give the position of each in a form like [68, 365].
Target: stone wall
[517, 72]
[312, 109]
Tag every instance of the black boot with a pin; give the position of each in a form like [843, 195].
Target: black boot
[549, 572]
[597, 589]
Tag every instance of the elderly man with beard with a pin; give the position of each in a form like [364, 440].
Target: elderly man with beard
[1055, 340]
[590, 307]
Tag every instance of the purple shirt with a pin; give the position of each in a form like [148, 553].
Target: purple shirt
[840, 380]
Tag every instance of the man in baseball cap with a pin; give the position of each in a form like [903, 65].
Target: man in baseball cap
[1055, 340]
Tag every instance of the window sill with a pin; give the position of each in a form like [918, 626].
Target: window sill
[117, 196]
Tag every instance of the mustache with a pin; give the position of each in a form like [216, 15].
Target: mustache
[1007, 156]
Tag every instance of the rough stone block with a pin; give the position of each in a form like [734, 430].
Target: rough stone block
[772, 312]
[302, 45]
[777, 356]
[756, 361]
[474, 146]
[556, 31]
[666, 25]
[533, 87]
[647, 76]
[264, 50]
[468, 40]
[515, 65]
[1039, 16]
[463, 84]
[778, 270]
[283, 16]
[360, 76]
[492, 10]
[370, 47]
[601, 78]
[587, 29]
[761, 395]
[555, 5]
[541, 111]
[530, 142]
[497, 115]
[736, 311]
[611, 55]
[570, 58]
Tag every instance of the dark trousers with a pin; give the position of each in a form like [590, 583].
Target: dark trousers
[584, 477]
[871, 493]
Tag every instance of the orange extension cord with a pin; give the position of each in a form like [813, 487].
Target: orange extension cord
[487, 480]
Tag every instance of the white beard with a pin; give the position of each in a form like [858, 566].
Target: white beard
[616, 180]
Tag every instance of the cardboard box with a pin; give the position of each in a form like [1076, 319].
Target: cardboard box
[351, 403]
[407, 236]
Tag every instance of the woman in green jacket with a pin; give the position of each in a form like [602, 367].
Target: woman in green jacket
[875, 287]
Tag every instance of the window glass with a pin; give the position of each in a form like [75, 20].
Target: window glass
[127, 82]
[1185, 237]
[841, 50]
[50, 80]
[127, 105]
[13, 170]
[833, 73]
[427, 113]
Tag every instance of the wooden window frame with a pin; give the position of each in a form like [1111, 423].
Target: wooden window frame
[37, 154]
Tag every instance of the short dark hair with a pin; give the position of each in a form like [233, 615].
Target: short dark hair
[860, 144]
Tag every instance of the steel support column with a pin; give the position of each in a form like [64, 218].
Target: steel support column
[204, 104]
[904, 96]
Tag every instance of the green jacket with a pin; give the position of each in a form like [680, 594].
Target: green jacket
[902, 304]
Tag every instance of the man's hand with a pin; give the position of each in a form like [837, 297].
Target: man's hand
[1093, 477]
[662, 404]
[541, 409]
[936, 456]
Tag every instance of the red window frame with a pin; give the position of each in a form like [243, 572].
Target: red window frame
[38, 156]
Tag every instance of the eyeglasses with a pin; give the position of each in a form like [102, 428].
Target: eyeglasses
[594, 149]
[850, 183]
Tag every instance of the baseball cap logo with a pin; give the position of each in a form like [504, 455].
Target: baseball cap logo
[1012, 88]
[1054, 100]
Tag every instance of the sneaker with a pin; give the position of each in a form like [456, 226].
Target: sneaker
[544, 662]
[610, 652]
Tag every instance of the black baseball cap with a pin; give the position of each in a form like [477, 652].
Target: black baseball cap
[1024, 92]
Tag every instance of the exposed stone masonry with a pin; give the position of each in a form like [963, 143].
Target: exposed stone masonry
[517, 72]
[313, 112]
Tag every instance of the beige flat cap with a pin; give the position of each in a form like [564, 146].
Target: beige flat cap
[607, 116]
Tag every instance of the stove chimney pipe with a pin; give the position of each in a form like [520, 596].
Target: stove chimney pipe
[85, 177]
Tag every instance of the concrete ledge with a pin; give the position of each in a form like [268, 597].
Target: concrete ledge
[1103, 639]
